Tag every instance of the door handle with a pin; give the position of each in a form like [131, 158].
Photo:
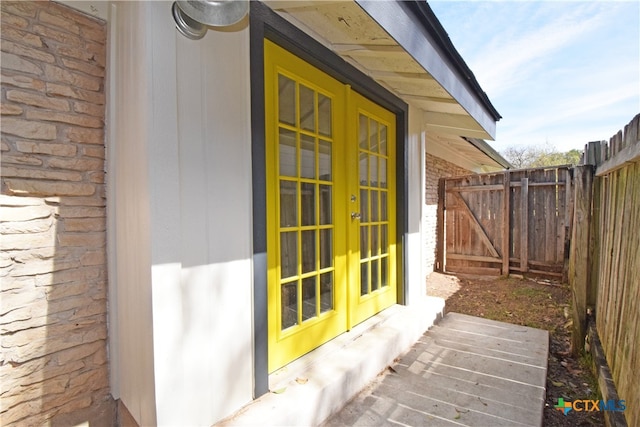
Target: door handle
[356, 215]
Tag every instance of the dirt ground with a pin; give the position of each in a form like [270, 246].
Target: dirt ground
[539, 304]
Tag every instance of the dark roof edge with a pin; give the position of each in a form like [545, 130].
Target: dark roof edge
[434, 28]
[487, 149]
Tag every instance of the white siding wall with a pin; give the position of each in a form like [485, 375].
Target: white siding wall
[129, 255]
[415, 240]
[180, 176]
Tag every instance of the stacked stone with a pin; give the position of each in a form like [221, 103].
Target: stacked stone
[53, 284]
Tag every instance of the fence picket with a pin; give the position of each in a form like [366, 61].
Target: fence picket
[614, 253]
[514, 219]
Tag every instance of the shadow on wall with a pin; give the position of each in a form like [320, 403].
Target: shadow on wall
[53, 367]
[53, 311]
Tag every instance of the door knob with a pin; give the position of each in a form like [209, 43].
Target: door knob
[356, 215]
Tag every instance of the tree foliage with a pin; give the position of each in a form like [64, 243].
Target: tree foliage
[533, 157]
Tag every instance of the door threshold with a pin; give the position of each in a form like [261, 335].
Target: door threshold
[310, 389]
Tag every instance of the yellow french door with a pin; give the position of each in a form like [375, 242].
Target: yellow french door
[330, 210]
[372, 258]
[307, 304]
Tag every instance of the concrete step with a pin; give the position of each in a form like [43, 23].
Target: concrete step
[310, 389]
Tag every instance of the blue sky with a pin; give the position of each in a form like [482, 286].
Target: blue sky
[561, 73]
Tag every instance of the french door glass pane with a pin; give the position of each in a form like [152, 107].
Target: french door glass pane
[324, 154]
[384, 249]
[364, 179]
[375, 241]
[308, 203]
[373, 136]
[307, 156]
[289, 300]
[287, 153]
[374, 275]
[383, 140]
[374, 205]
[324, 115]
[383, 271]
[308, 298]
[289, 254]
[364, 205]
[373, 173]
[383, 172]
[325, 204]
[384, 214]
[364, 278]
[326, 292]
[364, 241]
[308, 251]
[362, 131]
[326, 248]
[286, 100]
[307, 109]
[288, 203]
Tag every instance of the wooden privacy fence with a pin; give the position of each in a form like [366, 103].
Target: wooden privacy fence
[605, 257]
[482, 231]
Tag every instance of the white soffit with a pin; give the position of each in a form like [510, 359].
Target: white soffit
[349, 31]
[460, 152]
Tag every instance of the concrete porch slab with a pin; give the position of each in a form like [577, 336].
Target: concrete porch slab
[465, 371]
[310, 389]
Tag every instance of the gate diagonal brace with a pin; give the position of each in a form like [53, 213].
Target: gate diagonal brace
[478, 227]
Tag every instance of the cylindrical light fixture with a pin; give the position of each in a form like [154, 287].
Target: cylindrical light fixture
[193, 16]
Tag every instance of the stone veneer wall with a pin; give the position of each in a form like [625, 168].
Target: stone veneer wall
[53, 324]
[436, 168]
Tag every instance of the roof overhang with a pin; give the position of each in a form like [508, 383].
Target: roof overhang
[402, 46]
[472, 154]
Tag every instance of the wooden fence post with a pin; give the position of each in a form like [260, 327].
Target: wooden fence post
[569, 213]
[441, 244]
[594, 242]
[524, 225]
[579, 263]
[506, 223]
[594, 148]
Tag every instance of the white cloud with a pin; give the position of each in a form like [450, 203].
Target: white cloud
[507, 62]
[563, 73]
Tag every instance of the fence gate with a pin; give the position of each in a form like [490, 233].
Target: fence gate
[506, 222]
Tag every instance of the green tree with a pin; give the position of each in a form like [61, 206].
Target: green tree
[522, 157]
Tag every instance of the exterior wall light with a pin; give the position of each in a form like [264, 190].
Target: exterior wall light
[193, 16]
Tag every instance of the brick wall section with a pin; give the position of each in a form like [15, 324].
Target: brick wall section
[53, 363]
[436, 168]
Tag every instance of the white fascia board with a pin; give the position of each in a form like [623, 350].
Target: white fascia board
[453, 124]
[396, 21]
